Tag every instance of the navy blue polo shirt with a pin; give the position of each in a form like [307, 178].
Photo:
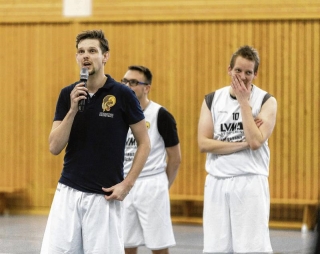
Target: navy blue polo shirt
[95, 151]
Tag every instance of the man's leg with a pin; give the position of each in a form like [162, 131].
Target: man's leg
[63, 230]
[163, 251]
[154, 212]
[249, 211]
[131, 250]
[216, 221]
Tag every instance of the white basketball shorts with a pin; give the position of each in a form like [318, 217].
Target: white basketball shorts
[83, 223]
[236, 215]
[147, 219]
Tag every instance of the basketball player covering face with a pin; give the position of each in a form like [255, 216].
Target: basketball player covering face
[234, 126]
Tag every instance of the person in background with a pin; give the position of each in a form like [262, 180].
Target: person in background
[85, 215]
[234, 126]
[147, 218]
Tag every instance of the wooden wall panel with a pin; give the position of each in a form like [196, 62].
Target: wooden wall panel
[199, 56]
[37, 65]
[188, 59]
[314, 125]
[166, 10]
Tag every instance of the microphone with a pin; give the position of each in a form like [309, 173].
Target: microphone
[84, 74]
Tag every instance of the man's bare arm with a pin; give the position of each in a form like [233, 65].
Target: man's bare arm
[120, 190]
[205, 136]
[60, 131]
[173, 162]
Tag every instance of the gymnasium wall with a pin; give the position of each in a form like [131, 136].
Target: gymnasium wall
[187, 45]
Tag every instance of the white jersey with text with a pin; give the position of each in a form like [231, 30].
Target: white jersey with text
[228, 127]
[156, 162]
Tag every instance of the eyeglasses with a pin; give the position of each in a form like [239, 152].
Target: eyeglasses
[132, 82]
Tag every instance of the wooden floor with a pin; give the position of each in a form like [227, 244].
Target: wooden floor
[23, 234]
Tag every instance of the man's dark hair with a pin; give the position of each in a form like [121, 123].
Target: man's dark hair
[246, 52]
[94, 34]
[146, 72]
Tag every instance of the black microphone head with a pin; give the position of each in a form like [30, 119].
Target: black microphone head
[84, 74]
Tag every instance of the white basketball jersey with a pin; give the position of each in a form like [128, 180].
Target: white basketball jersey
[228, 126]
[156, 162]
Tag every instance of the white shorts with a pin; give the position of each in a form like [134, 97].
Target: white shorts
[83, 223]
[147, 219]
[236, 215]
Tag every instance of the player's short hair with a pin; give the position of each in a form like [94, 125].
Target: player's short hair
[246, 52]
[144, 70]
[94, 34]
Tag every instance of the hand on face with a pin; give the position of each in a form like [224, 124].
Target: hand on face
[242, 74]
[240, 90]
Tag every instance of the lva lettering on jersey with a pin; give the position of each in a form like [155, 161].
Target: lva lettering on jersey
[131, 142]
[231, 127]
